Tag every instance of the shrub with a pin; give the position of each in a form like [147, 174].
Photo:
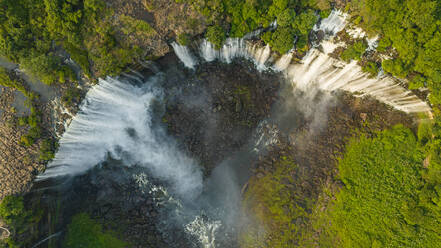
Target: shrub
[286, 17]
[47, 150]
[371, 68]
[42, 66]
[21, 220]
[305, 22]
[395, 67]
[281, 40]
[354, 51]
[12, 210]
[417, 81]
[216, 35]
[80, 56]
[383, 44]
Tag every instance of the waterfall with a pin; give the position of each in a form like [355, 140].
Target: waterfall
[317, 68]
[232, 48]
[283, 62]
[116, 118]
[334, 23]
[236, 48]
[184, 55]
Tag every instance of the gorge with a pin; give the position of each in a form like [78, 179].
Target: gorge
[230, 144]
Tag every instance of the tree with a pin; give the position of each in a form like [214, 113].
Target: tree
[43, 66]
[12, 210]
[281, 40]
[304, 22]
[286, 17]
[381, 203]
[354, 51]
[216, 35]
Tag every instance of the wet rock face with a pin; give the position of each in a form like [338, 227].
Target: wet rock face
[215, 110]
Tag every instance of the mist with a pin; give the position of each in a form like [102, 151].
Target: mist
[116, 119]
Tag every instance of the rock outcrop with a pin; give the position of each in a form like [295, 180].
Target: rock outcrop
[18, 164]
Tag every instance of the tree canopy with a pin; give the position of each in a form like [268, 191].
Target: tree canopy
[412, 27]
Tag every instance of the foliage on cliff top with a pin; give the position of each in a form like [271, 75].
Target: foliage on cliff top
[386, 200]
[242, 17]
[32, 32]
[412, 27]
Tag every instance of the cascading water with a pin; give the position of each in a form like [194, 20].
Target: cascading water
[317, 69]
[235, 48]
[120, 125]
[326, 73]
[116, 118]
[334, 23]
[184, 55]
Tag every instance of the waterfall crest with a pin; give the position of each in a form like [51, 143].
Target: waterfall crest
[184, 55]
[116, 119]
[334, 23]
[317, 69]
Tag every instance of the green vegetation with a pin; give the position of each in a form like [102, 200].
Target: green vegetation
[20, 221]
[290, 27]
[184, 39]
[354, 52]
[24, 40]
[278, 206]
[48, 68]
[386, 200]
[83, 232]
[390, 196]
[371, 68]
[32, 33]
[412, 28]
[295, 18]
[12, 210]
[216, 35]
[47, 149]
[281, 40]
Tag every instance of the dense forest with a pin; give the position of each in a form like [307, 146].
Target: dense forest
[33, 33]
[390, 194]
